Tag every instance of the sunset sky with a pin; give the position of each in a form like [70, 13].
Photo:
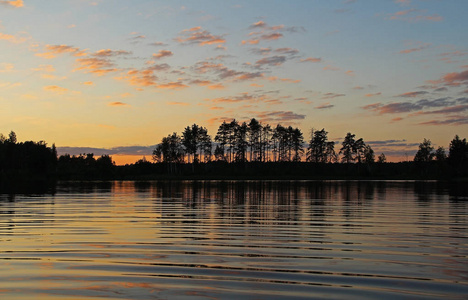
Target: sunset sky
[115, 76]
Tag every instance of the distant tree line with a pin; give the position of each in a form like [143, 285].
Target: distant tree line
[26, 160]
[238, 150]
[237, 142]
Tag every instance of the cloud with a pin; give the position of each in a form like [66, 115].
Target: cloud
[332, 95]
[311, 59]
[261, 51]
[259, 24]
[441, 89]
[54, 50]
[452, 79]
[422, 47]
[55, 89]
[177, 85]
[266, 33]
[223, 72]
[95, 65]
[217, 86]
[15, 39]
[109, 53]
[325, 106]
[14, 3]
[87, 83]
[137, 38]
[275, 78]
[162, 54]
[447, 110]
[198, 36]
[178, 103]
[373, 95]
[158, 44]
[462, 120]
[331, 68]
[404, 107]
[271, 61]
[287, 51]
[409, 16]
[118, 103]
[143, 78]
[412, 94]
[279, 116]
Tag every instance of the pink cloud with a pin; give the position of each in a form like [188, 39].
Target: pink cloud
[12, 38]
[452, 79]
[54, 50]
[118, 103]
[198, 36]
[373, 95]
[412, 94]
[422, 47]
[14, 3]
[162, 54]
[311, 59]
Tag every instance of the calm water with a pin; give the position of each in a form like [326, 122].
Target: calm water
[228, 240]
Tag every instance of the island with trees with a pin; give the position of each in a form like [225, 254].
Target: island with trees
[247, 150]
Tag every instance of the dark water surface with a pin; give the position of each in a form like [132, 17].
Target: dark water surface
[231, 240]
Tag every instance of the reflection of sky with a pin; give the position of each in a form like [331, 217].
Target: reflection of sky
[110, 74]
[218, 238]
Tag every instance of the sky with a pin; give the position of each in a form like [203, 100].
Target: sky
[114, 76]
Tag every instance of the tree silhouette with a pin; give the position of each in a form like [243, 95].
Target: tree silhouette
[348, 148]
[222, 138]
[318, 150]
[369, 156]
[458, 155]
[297, 141]
[440, 154]
[425, 152]
[382, 158]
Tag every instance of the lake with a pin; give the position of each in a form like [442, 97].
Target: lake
[236, 239]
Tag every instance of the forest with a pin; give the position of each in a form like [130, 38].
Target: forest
[238, 151]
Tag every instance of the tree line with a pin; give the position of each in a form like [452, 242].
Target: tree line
[237, 142]
[238, 150]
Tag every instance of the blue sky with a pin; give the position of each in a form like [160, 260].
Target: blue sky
[123, 74]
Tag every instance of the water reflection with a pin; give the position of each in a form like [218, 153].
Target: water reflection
[228, 239]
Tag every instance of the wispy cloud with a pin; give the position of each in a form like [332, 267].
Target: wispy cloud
[311, 59]
[95, 65]
[15, 39]
[12, 3]
[405, 107]
[412, 94]
[372, 95]
[197, 35]
[332, 95]
[452, 79]
[324, 106]
[414, 15]
[54, 50]
[421, 47]
[271, 61]
[162, 54]
[117, 103]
